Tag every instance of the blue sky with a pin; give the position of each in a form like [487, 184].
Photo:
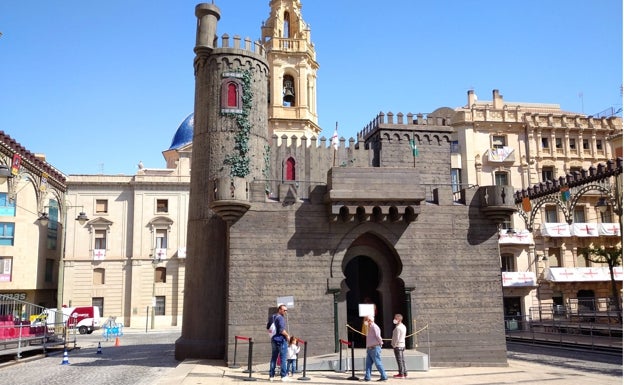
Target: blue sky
[100, 86]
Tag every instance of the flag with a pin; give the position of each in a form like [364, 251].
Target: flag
[565, 193]
[16, 164]
[412, 143]
[334, 138]
[526, 204]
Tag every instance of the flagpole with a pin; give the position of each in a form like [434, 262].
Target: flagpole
[333, 145]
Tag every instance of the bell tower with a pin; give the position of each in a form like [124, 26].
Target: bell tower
[292, 68]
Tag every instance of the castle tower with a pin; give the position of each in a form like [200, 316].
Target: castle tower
[229, 139]
[293, 66]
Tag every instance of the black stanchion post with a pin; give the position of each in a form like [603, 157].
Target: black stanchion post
[250, 360]
[305, 362]
[340, 358]
[234, 366]
[353, 377]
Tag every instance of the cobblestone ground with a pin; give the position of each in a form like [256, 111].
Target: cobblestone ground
[140, 358]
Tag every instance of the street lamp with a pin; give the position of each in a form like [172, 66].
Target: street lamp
[44, 219]
[5, 173]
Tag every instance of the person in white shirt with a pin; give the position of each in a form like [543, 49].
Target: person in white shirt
[293, 350]
[398, 344]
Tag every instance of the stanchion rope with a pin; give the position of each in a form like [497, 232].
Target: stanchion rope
[390, 339]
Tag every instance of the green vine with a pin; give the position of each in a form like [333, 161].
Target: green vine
[239, 160]
[266, 171]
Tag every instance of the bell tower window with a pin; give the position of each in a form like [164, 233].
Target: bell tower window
[288, 91]
[286, 25]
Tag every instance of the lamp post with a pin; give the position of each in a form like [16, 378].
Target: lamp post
[44, 220]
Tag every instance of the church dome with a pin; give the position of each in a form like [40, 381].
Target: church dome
[184, 133]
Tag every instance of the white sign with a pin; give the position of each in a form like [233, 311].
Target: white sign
[288, 301]
[367, 309]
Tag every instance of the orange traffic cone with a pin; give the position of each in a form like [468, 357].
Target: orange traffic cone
[117, 343]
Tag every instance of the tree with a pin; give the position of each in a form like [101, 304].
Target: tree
[612, 256]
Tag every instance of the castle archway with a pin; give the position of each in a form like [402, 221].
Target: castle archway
[371, 269]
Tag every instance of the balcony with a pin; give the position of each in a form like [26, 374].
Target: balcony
[519, 279]
[515, 237]
[374, 194]
[582, 274]
[580, 229]
[501, 155]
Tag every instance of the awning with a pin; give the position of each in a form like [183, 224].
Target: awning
[519, 279]
[515, 237]
[582, 274]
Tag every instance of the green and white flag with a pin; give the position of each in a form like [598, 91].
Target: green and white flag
[413, 146]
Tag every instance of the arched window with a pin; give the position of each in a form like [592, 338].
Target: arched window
[286, 25]
[290, 173]
[160, 275]
[288, 91]
[231, 94]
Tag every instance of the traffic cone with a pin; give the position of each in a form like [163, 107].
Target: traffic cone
[65, 358]
[99, 350]
[117, 343]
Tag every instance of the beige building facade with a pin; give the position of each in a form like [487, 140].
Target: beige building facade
[525, 144]
[129, 257]
[29, 249]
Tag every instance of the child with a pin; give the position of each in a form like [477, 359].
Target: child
[293, 350]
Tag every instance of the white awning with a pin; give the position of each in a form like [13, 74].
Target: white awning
[519, 279]
[515, 237]
[582, 274]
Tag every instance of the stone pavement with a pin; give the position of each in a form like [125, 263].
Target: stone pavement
[198, 372]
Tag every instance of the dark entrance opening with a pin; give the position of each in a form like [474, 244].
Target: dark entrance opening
[362, 277]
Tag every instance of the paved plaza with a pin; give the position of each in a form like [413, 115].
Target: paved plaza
[146, 358]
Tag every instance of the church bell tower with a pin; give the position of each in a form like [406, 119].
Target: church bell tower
[292, 68]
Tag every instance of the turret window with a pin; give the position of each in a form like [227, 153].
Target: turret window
[290, 169]
[231, 93]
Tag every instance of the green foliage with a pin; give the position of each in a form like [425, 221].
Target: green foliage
[612, 256]
[239, 160]
[266, 171]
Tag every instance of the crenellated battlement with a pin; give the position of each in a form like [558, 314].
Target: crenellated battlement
[254, 47]
[410, 121]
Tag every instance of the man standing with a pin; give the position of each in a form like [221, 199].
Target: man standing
[279, 343]
[398, 344]
[373, 350]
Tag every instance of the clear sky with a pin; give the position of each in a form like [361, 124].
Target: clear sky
[98, 86]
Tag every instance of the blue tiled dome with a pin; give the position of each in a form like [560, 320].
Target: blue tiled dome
[184, 134]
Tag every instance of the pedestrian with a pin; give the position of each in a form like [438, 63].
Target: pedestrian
[398, 344]
[279, 342]
[293, 350]
[373, 350]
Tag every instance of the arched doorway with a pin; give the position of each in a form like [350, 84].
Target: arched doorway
[371, 268]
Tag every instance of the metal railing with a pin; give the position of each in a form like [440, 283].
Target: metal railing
[23, 327]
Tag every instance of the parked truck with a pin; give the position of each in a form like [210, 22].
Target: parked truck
[84, 318]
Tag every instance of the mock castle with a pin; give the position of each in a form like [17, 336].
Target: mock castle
[276, 212]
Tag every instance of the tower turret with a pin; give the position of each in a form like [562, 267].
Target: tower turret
[293, 67]
[230, 137]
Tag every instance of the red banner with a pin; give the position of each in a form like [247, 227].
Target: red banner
[17, 162]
